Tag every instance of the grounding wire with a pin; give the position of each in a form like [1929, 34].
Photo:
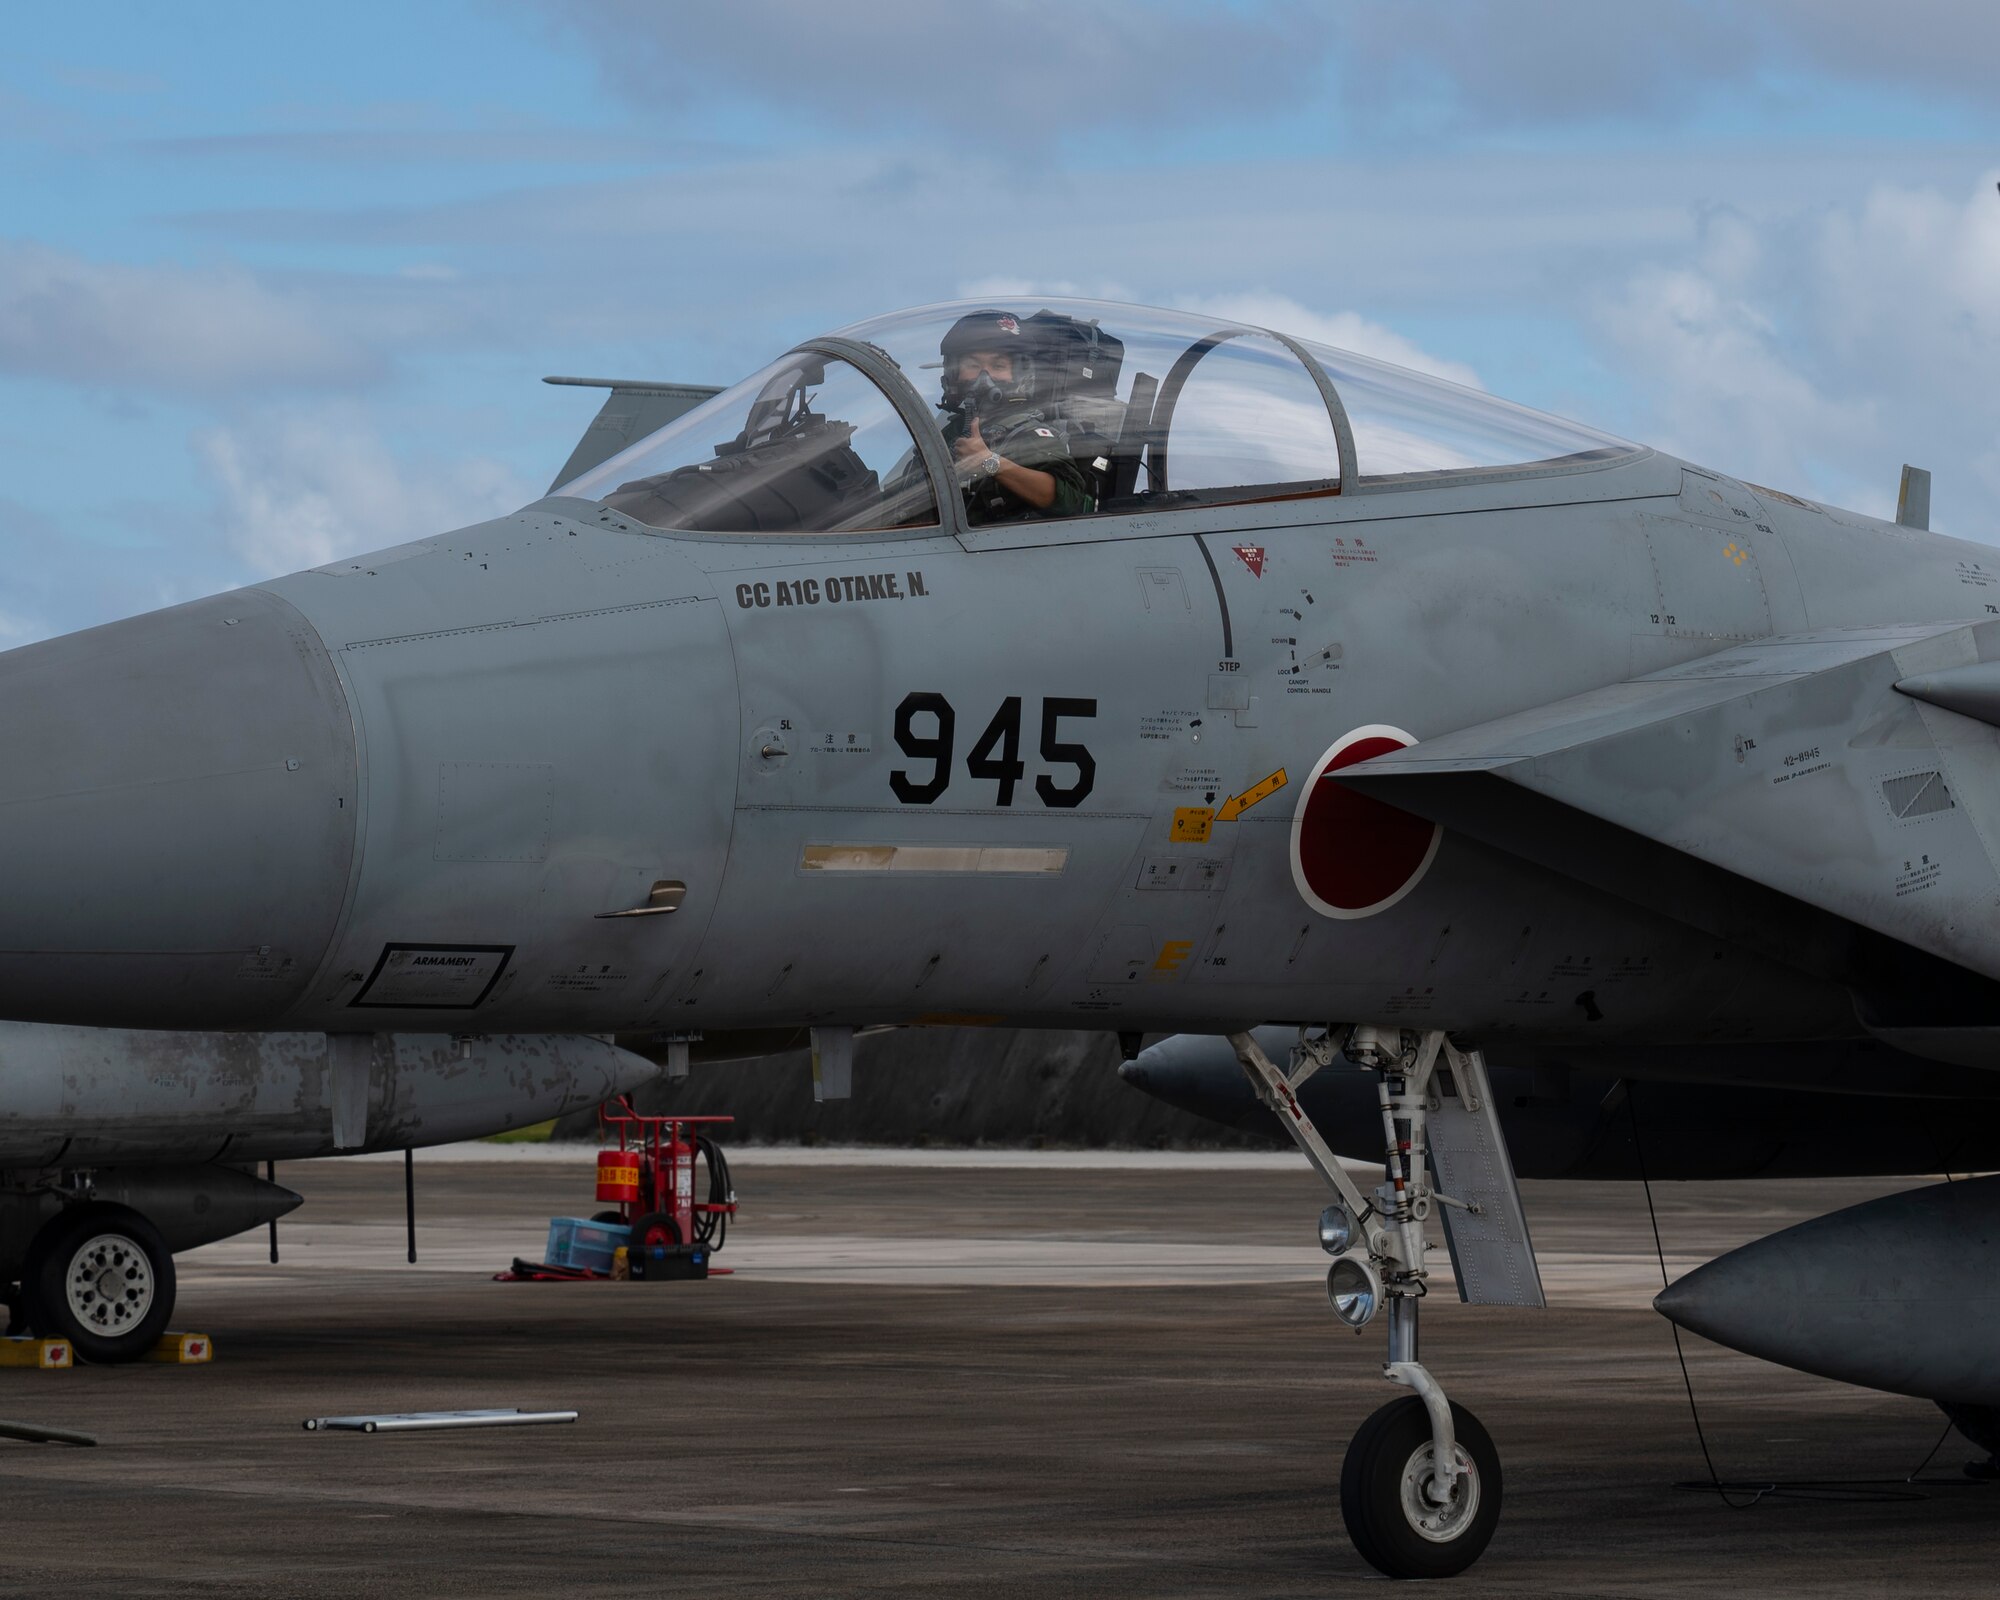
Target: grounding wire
[1659, 1250]
[1862, 1490]
[1919, 1470]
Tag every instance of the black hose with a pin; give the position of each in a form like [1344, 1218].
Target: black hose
[711, 1228]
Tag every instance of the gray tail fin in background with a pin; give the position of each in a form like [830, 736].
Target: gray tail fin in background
[1913, 498]
[633, 409]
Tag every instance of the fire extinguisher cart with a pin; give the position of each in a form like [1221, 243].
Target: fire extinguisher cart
[658, 1232]
[650, 1179]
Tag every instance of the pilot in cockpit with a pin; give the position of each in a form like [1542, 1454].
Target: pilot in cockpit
[1014, 452]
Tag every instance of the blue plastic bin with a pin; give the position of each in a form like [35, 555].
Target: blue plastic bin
[574, 1242]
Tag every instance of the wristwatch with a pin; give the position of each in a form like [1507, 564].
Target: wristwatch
[990, 466]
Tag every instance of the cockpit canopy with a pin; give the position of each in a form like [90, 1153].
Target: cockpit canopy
[1135, 408]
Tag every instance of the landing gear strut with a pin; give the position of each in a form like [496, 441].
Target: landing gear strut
[1420, 1488]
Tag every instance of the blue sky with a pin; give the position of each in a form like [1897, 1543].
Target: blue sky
[278, 284]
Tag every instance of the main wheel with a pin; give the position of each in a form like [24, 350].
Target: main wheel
[1385, 1493]
[104, 1280]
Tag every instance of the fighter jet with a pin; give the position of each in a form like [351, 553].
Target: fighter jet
[1061, 664]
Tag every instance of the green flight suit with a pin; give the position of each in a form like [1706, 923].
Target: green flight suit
[1028, 437]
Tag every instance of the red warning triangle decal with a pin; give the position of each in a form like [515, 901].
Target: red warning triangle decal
[1252, 556]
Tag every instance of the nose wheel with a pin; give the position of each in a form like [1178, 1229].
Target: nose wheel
[1401, 1522]
[1420, 1487]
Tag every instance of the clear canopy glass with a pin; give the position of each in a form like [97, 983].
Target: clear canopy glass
[808, 445]
[1409, 423]
[1157, 407]
[1063, 408]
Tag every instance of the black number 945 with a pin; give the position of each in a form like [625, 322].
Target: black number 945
[996, 756]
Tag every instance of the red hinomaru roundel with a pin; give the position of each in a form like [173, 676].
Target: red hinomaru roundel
[1353, 855]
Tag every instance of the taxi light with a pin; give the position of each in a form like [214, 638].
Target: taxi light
[1336, 1229]
[1354, 1290]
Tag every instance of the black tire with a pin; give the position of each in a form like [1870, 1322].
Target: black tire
[655, 1228]
[25, 1310]
[1393, 1444]
[103, 1280]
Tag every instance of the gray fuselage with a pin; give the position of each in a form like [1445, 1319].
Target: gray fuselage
[401, 793]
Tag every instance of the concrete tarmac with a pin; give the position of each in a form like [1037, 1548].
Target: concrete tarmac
[1010, 1375]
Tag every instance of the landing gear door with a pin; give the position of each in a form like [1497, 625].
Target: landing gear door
[1492, 1255]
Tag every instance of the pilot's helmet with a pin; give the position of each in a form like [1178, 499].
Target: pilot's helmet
[987, 330]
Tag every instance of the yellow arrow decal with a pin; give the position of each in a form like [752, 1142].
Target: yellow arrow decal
[1263, 789]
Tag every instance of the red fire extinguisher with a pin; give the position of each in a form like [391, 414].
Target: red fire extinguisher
[617, 1176]
[676, 1184]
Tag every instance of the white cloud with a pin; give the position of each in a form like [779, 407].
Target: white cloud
[1819, 352]
[1934, 46]
[1535, 61]
[307, 487]
[1727, 390]
[1028, 73]
[1492, 232]
[1013, 72]
[165, 327]
[1546, 62]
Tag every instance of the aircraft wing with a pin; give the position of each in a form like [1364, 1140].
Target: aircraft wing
[1855, 771]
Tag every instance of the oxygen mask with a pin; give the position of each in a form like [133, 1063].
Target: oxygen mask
[980, 399]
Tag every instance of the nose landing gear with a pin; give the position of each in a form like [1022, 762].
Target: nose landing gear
[1420, 1487]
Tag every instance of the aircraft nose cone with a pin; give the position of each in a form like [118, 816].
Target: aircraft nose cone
[176, 817]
